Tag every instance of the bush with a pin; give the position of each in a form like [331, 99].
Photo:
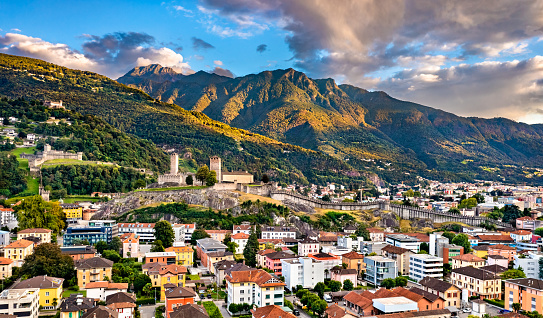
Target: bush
[495, 302]
[145, 301]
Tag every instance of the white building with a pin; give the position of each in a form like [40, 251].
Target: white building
[379, 268]
[102, 289]
[278, 232]
[436, 243]
[521, 235]
[243, 228]
[20, 302]
[422, 265]
[308, 246]
[183, 232]
[404, 241]
[344, 241]
[241, 240]
[7, 216]
[255, 287]
[303, 271]
[530, 264]
[145, 231]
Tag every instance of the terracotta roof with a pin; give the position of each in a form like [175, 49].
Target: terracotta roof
[101, 312]
[180, 292]
[274, 241]
[427, 295]
[512, 315]
[258, 276]
[375, 230]
[121, 305]
[242, 227]
[335, 311]
[107, 285]
[475, 273]
[5, 261]
[179, 249]
[384, 293]
[36, 230]
[395, 249]
[521, 232]
[42, 282]
[468, 258]
[359, 299]
[353, 255]
[271, 311]
[525, 218]
[501, 247]
[218, 231]
[408, 294]
[189, 311]
[19, 244]
[120, 297]
[495, 238]
[266, 251]
[173, 269]
[435, 284]
[240, 236]
[94, 262]
[422, 237]
[368, 295]
[129, 238]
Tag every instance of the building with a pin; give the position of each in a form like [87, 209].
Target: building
[243, 228]
[303, 271]
[423, 265]
[20, 302]
[278, 232]
[4, 238]
[334, 311]
[361, 303]
[164, 276]
[79, 252]
[427, 300]
[7, 216]
[207, 245]
[218, 235]
[167, 258]
[379, 268]
[498, 260]
[503, 250]
[183, 232]
[529, 263]
[340, 274]
[271, 311]
[92, 270]
[53, 105]
[229, 176]
[131, 245]
[449, 292]
[400, 255]
[404, 241]
[390, 305]
[6, 267]
[308, 246]
[50, 290]
[261, 256]
[18, 250]
[495, 239]
[43, 234]
[241, 240]
[477, 282]
[122, 302]
[449, 251]
[376, 235]
[255, 287]
[189, 311]
[468, 260]
[274, 261]
[330, 261]
[102, 289]
[175, 177]
[73, 212]
[177, 297]
[527, 223]
[355, 261]
[144, 231]
[92, 234]
[224, 267]
[526, 291]
[521, 235]
[75, 306]
[496, 269]
[215, 257]
[184, 254]
[372, 247]
[480, 250]
[348, 242]
[101, 312]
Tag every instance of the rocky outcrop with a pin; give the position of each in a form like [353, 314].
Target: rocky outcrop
[388, 219]
[419, 223]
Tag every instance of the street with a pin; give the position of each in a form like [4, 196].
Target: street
[148, 311]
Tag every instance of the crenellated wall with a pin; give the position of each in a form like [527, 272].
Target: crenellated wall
[282, 195]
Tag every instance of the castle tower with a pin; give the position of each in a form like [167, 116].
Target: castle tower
[44, 193]
[46, 148]
[215, 165]
[174, 163]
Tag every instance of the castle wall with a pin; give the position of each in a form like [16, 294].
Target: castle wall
[215, 164]
[239, 178]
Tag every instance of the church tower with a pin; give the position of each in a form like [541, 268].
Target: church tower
[215, 165]
[174, 164]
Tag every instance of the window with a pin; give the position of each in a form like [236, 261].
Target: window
[267, 296]
[46, 293]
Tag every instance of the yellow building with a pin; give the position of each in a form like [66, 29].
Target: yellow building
[162, 275]
[184, 254]
[43, 234]
[6, 266]
[72, 211]
[477, 282]
[92, 270]
[18, 250]
[50, 289]
[480, 251]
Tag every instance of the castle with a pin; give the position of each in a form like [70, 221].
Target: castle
[215, 164]
[53, 105]
[34, 161]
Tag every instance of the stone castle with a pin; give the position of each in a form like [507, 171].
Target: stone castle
[34, 161]
[53, 105]
[215, 164]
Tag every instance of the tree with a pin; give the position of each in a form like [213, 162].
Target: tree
[250, 250]
[513, 273]
[233, 308]
[539, 231]
[101, 246]
[164, 232]
[462, 240]
[348, 284]
[319, 306]
[300, 293]
[516, 307]
[140, 281]
[147, 289]
[265, 178]
[510, 213]
[189, 180]
[211, 178]
[319, 288]
[334, 285]
[386, 283]
[326, 198]
[400, 281]
[449, 235]
[454, 211]
[198, 234]
[33, 212]
[115, 244]
[468, 203]
[202, 173]
[157, 246]
[425, 247]
[140, 184]
[112, 255]
[47, 259]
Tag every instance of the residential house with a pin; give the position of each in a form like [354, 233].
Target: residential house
[425, 265]
[18, 251]
[379, 268]
[101, 312]
[102, 289]
[206, 245]
[496, 269]
[477, 282]
[162, 275]
[261, 256]
[498, 260]
[79, 252]
[50, 289]
[400, 255]
[303, 271]
[255, 287]
[449, 292]
[184, 254]
[177, 297]
[243, 228]
[189, 311]
[376, 235]
[526, 291]
[20, 302]
[361, 303]
[43, 234]
[330, 261]
[131, 245]
[264, 244]
[308, 246]
[75, 306]
[144, 231]
[273, 261]
[342, 275]
[122, 302]
[218, 235]
[161, 257]
[527, 223]
[480, 250]
[271, 311]
[241, 240]
[350, 229]
[225, 266]
[503, 250]
[278, 232]
[334, 311]
[325, 238]
[354, 260]
[92, 270]
[468, 260]
[521, 235]
[214, 257]
[404, 241]
[425, 301]
[6, 267]
[7, 215]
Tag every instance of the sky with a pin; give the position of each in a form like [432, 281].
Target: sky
[473, 58]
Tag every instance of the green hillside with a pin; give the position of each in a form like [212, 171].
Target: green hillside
[132, 111]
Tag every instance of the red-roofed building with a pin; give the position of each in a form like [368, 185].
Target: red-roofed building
[360, 303]
[502, 250]
[527, 223]
[329, 261]
[131, 245]
[521, 235]
[177, 297]
[376, 235]
[255, 287]
[241, 240]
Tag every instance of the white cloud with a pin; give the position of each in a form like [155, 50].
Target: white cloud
[217, 62]
[181, 8]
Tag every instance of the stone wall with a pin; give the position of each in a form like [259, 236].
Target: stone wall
[282, 195]
[34, 161]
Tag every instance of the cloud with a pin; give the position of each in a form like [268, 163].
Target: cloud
[217, 62]
[111, 54]
[199, 44]
[183, 9]
[16, 30]
[261, 48]
[223, 72]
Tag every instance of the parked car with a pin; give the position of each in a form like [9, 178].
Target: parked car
[209, 296]
[504, 311]
[327, 298]
[296, 312]
[466, 310]
[202, 296]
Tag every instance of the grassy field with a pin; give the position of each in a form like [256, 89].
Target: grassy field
[210, 307]
[80, 198]
[66, 293]
[193, 277]
[172, 188]
[32, 186]
[23, 163]
[185, 167]
[254, 197]
[58, 162]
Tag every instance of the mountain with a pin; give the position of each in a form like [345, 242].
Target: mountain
[132, 111]
[369, 130]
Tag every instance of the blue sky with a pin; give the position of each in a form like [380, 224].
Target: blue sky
[473, 58]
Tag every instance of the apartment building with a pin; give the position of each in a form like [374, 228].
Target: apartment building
[274, 261]
[131, 245]
[49, 289]
[308, 246]
[243, 228]
[400, 255]
[425, 265]
[529, 263]
[73, 212]
[404, 241]
[218, 235]
[6, 267]
[526, 291]
[145, 231]
[355, 261]
[379, 268]
[477, 282]
[465, 260]
[303, 271]
[278, 232]
[376, 235]
[449, 292]
[503, 250]
[184, 254]
[92, 234]
[43, 234]
[183, 232]
[329, 260]
[20, 302]
[18, 250]
[92, 270]
[255, 287]
[241, 240]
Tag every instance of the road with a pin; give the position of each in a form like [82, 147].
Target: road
[148, 311]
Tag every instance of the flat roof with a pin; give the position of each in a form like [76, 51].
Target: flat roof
[394, 301]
